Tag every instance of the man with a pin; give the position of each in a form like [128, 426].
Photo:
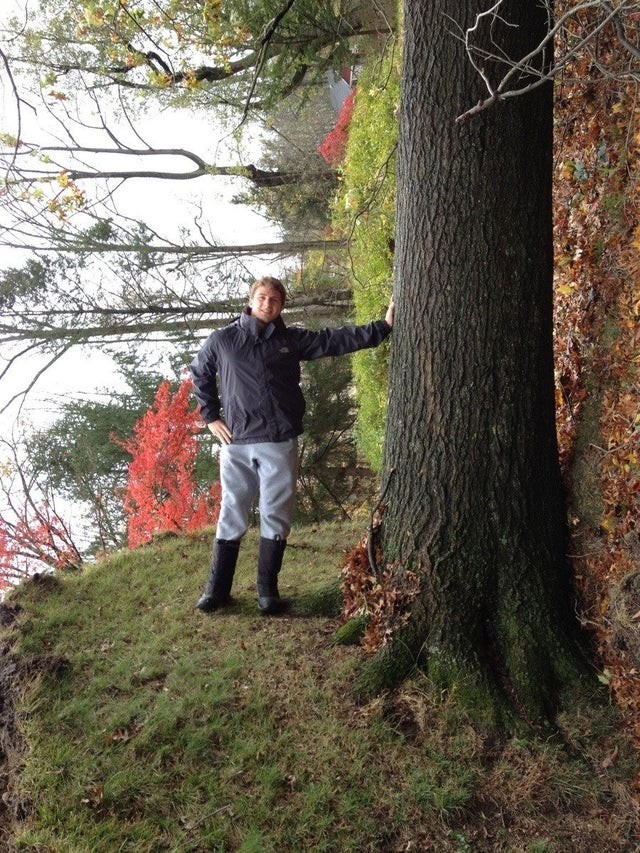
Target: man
[256, 359]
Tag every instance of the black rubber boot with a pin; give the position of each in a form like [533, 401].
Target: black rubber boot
[269, 564]
[223, 565]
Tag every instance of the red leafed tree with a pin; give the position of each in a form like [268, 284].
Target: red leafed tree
[37, 536]
[5, 559]
[162, 494]
[32, 532]
[334, 144]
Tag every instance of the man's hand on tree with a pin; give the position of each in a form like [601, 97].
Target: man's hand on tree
[390, 312]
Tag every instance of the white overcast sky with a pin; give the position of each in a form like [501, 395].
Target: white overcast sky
[161, 204]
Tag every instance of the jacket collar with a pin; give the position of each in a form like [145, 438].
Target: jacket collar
[250, 325]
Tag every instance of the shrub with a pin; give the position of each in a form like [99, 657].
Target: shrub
[333, 147]
[162, 494]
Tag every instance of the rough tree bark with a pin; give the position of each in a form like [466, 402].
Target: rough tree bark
[474, 500]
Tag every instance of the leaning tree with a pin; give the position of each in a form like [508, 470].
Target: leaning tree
[472, 496]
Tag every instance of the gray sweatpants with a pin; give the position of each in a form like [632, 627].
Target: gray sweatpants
[269, 469]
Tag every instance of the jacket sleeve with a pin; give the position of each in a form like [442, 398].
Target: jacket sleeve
[312, 345]
[204, 368]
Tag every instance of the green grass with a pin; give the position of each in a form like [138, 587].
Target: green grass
[151, 726]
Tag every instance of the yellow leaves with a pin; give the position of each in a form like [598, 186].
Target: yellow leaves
[566, 170]
[49, 79]
[191, 81]
[157, 78]
[631, 461]
[94, 16]
[69, 200]
[563, 260]
[566, 288]
[605, 676]
[211, 10]
[608, 524]
[9, 140]
[133, 60]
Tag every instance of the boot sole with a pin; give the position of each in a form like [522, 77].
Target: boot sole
[210, 605]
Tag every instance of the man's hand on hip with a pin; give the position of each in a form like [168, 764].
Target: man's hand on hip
[221, 431]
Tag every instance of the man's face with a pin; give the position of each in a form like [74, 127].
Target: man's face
[266, 304]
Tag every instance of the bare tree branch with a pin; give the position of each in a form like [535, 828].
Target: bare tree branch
[580, 25]
[632, 49]
[280, 249]
[35, 377]
[33, 175]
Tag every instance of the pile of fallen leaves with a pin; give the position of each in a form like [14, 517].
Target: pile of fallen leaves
[597, 327]
[376, 592]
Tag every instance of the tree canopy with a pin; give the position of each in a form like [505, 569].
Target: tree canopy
[241, 55]
[86, 146]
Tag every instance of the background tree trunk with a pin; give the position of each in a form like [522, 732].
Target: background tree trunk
[474, 501]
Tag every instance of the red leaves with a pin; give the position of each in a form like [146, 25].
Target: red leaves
[38, 535]
[334, 144]
[162, 494]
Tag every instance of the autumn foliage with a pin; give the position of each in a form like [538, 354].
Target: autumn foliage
[162, 494]
[384, 596]
[333, 146]
[597, 328]
[32, 537]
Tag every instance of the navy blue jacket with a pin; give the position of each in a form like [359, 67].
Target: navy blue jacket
[259, 373]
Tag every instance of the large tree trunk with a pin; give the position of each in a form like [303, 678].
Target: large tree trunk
[474, 500]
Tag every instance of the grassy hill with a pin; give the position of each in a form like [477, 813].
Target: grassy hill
[133, 722]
